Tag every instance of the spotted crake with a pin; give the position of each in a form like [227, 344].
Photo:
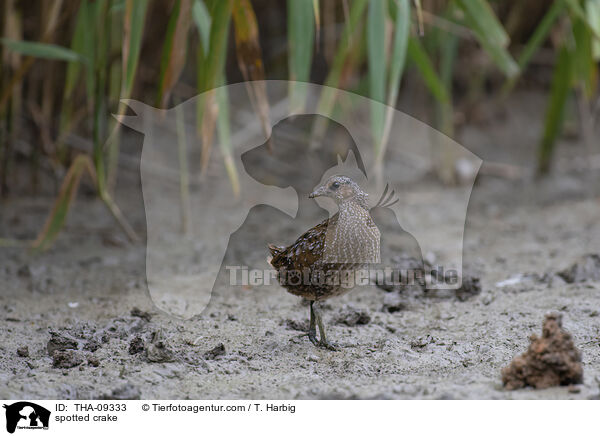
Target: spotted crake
[315, 265]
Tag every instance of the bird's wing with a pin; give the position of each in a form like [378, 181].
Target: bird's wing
[307, 249]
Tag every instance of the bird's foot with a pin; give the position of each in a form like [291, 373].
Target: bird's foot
[327, 345]
[312, 336]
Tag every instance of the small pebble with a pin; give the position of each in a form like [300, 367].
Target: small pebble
[312, 358]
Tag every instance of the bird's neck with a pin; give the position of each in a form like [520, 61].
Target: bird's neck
[359, 201]
[352, 213]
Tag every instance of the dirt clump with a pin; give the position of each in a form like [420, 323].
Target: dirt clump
[551, 360]
[66, 359]
[158, 349]
[60, 342]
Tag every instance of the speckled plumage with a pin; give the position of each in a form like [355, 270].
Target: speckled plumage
[322, 262]
[347, 241]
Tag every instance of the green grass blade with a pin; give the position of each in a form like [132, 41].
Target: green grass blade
[491, 35]
[101, 26]
[376, 59]
[485, 21]
[135, 16]
[540, 33]
[584, 67]
[132, 24]
[301, 33]
[561, 85]
[117, 6]
[202, 21]
[399, 46]
[400, 13]
[356, 11]
[174, 50]
[217, 51]
[42, 50]
[74, 68]
[419, 57]
[224, 132]
[579, 12]
[72, 77]
[592, 11]
[327, 97]
[539, 36]
[68, 190]
[211, 73]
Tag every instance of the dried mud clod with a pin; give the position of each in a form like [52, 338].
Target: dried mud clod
[158, 350]
[66, 359]
[60, 342]
[551, 360]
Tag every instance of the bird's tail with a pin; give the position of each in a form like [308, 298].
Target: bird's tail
[275, 251]
[386, 200]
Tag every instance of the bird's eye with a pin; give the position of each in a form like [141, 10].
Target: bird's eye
[335, 185]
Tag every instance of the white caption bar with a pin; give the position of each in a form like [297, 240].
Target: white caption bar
[150, 417]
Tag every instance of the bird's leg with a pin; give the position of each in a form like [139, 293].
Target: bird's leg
[312, 330]
[323, 342]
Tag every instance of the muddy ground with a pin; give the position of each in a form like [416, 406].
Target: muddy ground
[87, 296]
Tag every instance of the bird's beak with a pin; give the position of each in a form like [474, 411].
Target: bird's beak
[317, 192]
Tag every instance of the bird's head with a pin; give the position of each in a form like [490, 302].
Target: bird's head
[341, 189]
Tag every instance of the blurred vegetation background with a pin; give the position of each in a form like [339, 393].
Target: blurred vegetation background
[67, 63]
